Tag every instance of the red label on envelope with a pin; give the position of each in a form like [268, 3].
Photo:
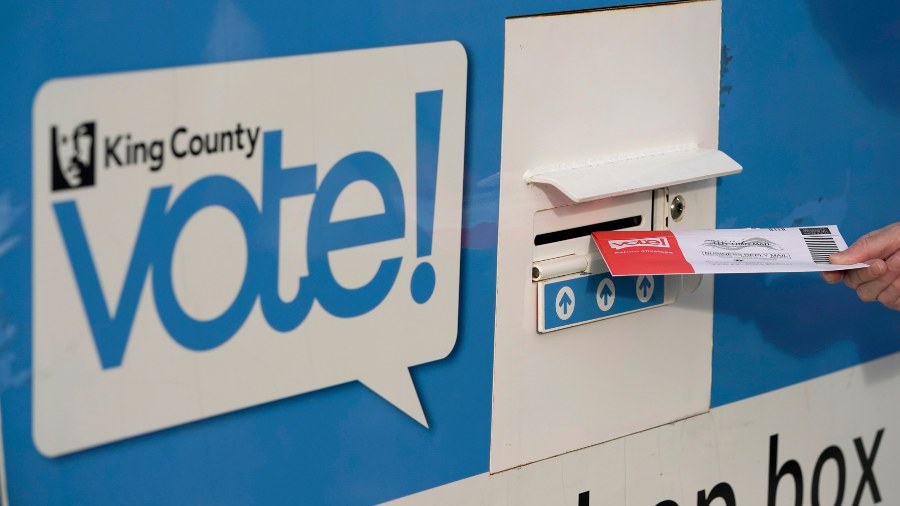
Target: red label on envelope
[634, 253]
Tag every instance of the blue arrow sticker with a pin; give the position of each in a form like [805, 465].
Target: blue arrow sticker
[586, 298]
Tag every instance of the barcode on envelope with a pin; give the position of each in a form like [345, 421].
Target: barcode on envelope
[820, 248]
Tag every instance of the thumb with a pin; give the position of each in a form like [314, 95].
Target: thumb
[846, 257]
[874, 245]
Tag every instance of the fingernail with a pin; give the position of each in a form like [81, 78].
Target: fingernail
[831, 277]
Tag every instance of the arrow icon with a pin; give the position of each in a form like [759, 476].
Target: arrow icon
[644, 288]
[564, 302]
[605, 294]
[645, 285]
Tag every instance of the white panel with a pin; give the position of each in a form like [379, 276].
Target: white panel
[332, 118]
[582, 87]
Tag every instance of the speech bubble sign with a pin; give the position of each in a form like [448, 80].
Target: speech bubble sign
[216, 237]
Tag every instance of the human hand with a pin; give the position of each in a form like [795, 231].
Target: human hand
[881, 279]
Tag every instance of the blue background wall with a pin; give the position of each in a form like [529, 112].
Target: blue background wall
[810, 107]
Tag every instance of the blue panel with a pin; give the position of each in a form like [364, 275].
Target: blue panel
[811, 109]
[343, 445]
[586, 298]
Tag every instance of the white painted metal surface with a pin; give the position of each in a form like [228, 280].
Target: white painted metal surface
[599, 85]
[613, 178]
[731, 445]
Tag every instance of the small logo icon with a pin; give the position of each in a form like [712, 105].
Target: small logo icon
[565, 303]
[649, 242]
[732, 245]
[73, 157]
[644, 286]
[606, 294]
